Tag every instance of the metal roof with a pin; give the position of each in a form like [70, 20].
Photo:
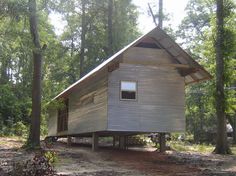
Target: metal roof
[198, 73]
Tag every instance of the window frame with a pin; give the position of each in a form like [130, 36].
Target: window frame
[136, 92]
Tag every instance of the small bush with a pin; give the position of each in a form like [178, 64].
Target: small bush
[20, 129]
[38, 166]
[51, 156]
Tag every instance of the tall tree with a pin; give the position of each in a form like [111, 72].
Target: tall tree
[83, 33]
[152, 14]
[34, 135]
[221, 143]
[197, 32]
[122, 24]
[109, 27]
[160, 16]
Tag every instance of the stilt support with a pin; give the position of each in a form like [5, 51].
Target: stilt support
[122, 142]
[94, 141]
[69, 140]
[162, 142]
[114, 141]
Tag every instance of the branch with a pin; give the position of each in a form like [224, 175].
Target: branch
[153, 16]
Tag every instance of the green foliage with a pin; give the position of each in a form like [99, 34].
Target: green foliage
[12, 111]
[197, 32]
[20, 129]
[124, 31]
[62, 56]
[233, 149]
[51, 156]
[188, 147]
[39, 165]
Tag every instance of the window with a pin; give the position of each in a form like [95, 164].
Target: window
[62, 124]
[128, 90]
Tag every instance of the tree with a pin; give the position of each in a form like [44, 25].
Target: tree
[197, 32]
[152, 14]
[83, 33]
[221, 142]
[115, 23]
[160, 16]
[34, 135]
[62, 58]
[109, 27]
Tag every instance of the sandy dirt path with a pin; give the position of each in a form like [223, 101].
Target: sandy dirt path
[81, 161]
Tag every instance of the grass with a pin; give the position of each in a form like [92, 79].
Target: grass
[202, 148]
[233, 149]
[187, 147]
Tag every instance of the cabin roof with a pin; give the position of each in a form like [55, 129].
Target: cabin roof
[194, 73]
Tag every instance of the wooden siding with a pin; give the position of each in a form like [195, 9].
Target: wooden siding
[147, 56]
[52, 122]
[88, 106]
[160, 100]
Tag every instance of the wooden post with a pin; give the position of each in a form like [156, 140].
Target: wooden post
[114, 141]
[122, 142]
[126, 142]
[69, 140]
[94, 141]
[162, 142]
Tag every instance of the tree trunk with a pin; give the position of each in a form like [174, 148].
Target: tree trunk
[83, 31]
[4, 78]
[232, 122]
[234, 129]
[34, 135]
[160, 16]
[72, 71]
[110, 16]
[153, 16]
[221, 142]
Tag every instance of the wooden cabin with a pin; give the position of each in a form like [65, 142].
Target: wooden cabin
[140, 89]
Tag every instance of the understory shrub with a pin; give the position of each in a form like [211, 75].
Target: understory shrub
[37, 166]
[20, 129]
[51, 156]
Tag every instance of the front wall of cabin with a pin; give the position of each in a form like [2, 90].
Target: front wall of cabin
[160, 100]
[88, 106]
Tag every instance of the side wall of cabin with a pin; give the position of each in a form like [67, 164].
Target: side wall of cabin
[87, 109]
[88, 106]
[52, 122]
[160, 100]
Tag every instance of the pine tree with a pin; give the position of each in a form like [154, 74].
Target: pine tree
[34, 135]
[221, 142]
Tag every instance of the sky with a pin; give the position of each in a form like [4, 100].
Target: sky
[175, 8]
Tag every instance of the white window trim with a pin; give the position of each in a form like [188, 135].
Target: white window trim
[136, 90]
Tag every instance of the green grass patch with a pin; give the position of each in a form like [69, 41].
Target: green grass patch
[187, 147]
[233, 149]
[202, 148]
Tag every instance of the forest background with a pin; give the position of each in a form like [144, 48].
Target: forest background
[94, 31]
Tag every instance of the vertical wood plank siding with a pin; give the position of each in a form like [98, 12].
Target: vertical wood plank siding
[160, 103]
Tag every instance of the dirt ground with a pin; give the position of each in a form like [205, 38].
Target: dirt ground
[81, 161]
